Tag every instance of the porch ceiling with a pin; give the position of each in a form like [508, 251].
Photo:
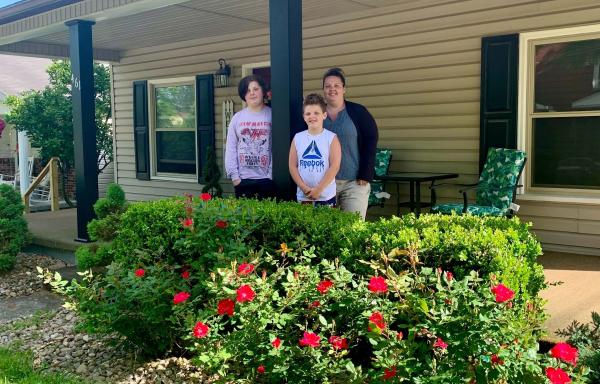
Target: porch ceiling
[131, 24]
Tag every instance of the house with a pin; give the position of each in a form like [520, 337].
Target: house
[445, 79]
[17, 75]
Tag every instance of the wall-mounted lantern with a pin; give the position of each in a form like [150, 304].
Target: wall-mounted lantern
[222, 74]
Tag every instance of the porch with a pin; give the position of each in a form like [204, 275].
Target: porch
[574, 299]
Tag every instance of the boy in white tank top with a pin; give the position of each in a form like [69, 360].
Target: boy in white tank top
[315, 156]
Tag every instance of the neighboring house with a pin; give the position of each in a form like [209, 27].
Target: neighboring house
[17, 75]
[416, 64]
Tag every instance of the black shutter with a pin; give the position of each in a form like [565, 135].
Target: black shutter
[141, 130]
[499, 87]
[205, 112]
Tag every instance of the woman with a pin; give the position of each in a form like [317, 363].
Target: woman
[357, 132]
[248, 151]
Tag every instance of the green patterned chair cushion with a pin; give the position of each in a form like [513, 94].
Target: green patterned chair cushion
[376, 188]
[383, 157]
[496, 185]
[478, 210]
[499, 177]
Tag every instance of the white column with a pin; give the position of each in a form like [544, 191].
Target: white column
[23, 162]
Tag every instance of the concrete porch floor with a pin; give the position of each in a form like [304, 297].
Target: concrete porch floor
[574, 299]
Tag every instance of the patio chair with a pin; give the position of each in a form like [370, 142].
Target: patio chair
[378, 196]
[496, 189]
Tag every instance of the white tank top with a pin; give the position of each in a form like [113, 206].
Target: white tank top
[313, 161]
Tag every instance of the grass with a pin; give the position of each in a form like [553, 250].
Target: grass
[16, 367]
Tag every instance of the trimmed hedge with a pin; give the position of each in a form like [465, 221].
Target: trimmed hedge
[13, 228]
[168, 237]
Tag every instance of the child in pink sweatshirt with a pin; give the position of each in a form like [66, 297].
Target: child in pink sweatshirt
[248, 159]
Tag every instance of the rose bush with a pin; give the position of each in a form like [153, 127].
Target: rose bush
[425, 326]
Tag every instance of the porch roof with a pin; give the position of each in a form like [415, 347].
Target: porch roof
[123, 25]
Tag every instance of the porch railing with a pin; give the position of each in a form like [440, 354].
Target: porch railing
[50, 169]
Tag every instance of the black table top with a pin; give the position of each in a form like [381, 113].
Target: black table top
[417, 176]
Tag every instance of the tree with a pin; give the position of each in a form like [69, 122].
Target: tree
[47, 117]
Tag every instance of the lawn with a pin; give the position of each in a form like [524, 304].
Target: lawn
[17, 368]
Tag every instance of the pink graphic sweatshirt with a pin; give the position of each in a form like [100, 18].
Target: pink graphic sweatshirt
[248, 148]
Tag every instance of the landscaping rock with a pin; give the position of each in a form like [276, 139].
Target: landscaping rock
[55, 343]
[22, 280]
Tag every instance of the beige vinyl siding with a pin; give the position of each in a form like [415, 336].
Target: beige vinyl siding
[104, 178]
[415, 65]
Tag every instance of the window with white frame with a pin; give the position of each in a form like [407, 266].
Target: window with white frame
[173, 129]
[562, 113]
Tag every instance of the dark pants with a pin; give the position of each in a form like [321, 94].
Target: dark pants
[255, 188]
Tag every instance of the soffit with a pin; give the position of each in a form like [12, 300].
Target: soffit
[182, 21]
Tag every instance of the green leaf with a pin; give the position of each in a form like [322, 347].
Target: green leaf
[290, 276]
[322, 320]
[350, 367]
[423, 305]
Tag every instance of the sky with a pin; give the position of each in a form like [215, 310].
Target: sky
[4, 3]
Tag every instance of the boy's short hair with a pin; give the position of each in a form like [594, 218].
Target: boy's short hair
[315, 99]
[337, 72]
[245, 83]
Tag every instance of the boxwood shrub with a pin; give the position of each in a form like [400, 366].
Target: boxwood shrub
[170, 246]
[13, 227]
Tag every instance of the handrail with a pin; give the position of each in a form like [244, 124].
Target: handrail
[52, 168]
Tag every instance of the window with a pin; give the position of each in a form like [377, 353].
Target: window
[561, 112]
[173, 129]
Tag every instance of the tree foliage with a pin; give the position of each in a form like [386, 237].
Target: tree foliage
[47, 118]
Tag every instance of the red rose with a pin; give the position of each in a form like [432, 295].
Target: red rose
[314, 304]
[260, 369]
[310, 339]
[185, 275]
[389, 373]
[276, 342]
[221, 224]
[245, 269]
[449, 276]
[324, 286]
[188, 223]
[225, 307]
[565, 352]
[200, 330]
[378, 284]
[400, 336]
[557, 376]
[439, 343]
[497, 360]
[503, 293]
[140, 272]
[205, 196]
[338, 342]
[180, 297]
[377, 319]
[245, 293]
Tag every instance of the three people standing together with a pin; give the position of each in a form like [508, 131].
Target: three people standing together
[355, 132]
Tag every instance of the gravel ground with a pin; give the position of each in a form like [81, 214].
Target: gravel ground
[22, 280]
[55, 343]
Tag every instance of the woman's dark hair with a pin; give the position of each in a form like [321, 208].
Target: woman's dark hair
[337, 72]
[314, 99]
[245, 83]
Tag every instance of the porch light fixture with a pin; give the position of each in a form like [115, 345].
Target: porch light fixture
[222, 74]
